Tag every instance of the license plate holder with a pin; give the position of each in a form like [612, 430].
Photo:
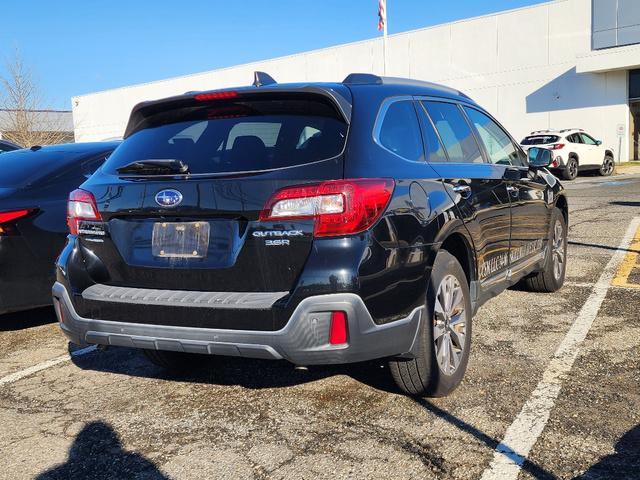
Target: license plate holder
[180, 239]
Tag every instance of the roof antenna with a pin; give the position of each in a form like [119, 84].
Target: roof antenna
[260, 79]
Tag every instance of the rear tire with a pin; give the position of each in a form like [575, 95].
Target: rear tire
[445, 334]
[552, 277]
[173, 361]
[607, 167]
[570, 171]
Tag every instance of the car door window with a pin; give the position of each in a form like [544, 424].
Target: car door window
[434, 151]
[574, 138]
[454, 131]
[497, 143]
[586, 139]
[400, 132]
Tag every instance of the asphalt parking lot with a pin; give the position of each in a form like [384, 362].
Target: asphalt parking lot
[552, 391]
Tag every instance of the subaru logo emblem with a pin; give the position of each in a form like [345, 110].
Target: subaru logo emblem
[168, 198]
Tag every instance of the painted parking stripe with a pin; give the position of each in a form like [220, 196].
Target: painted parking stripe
[523, 433]
[44, 365]
[628, 264]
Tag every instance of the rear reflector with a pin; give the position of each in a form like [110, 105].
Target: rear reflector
[81, 206]
[339, 207]
[339, 330]
[205, 97]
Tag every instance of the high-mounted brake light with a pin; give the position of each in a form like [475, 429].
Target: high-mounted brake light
[339, 207]
[81, 206]
[226, 95]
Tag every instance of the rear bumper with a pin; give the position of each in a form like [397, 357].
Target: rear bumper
[303, 341]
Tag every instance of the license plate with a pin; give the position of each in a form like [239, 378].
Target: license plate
[180, 239]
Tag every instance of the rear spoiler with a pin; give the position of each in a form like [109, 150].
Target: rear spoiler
[144, 110]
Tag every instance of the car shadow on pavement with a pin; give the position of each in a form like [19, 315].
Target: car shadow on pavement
[264, 374]
[604, 247]
[10, 322]
[624, 463]
[621, 203]
[231, 371]
[97, 453]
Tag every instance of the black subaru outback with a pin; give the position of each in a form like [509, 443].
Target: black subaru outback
[318, 223]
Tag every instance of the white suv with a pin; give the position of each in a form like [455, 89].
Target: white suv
[573, 150]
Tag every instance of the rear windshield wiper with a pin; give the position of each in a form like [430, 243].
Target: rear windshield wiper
[155, 167]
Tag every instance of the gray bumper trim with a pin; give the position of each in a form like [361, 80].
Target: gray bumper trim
[183, 298]
[303, 341]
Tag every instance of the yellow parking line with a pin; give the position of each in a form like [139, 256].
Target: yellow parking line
[628, 264]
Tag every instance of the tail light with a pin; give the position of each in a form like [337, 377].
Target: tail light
[8, 218]
[81, 206]
[557, 146]
[338, 207]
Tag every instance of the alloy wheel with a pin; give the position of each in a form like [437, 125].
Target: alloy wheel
[607, 167]
[558, 250]
[573, 169]
[449, 324]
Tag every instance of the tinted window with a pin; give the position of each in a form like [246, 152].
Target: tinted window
[25, 167]
[587, 139]
[497, 143]
[433, 148]
[540, 140]
[456, 135]
[238, 136]
[400, 131]
[574, 138]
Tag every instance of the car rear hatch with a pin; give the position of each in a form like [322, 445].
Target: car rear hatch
[166, 229]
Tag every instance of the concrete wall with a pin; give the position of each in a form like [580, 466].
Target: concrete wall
[519, 64]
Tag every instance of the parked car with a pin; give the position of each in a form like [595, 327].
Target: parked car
[34, 187]
[7, 146]
[320, 223]
[574, 151]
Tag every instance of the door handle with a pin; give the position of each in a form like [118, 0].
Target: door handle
[513, 191]
[463, 190]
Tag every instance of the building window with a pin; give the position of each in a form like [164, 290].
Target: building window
[634, 84]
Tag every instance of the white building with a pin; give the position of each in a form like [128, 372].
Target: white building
[561, 64]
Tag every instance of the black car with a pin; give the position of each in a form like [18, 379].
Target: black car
[7, 146]
[318, 223]
[34, 186]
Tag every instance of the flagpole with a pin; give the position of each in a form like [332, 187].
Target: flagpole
[384, 41]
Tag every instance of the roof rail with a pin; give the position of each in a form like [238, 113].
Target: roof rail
[261, 78]
[571, 130]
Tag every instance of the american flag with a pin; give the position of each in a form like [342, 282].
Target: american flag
[382, 14]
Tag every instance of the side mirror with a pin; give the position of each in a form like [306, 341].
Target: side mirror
[598, 142]
[539, 157]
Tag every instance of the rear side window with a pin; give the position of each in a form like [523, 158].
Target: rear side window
[400, 132]
[238, 136]
[455, 132]
[574, 138]
[496, 141]
[433, 147]
[540, 140]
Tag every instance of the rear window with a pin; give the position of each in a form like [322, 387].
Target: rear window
[238, 136]
[540, 140]
[20, 168]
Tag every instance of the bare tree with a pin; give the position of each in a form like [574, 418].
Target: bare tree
[24, 117]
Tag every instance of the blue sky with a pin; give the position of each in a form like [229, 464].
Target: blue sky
[82, 46]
